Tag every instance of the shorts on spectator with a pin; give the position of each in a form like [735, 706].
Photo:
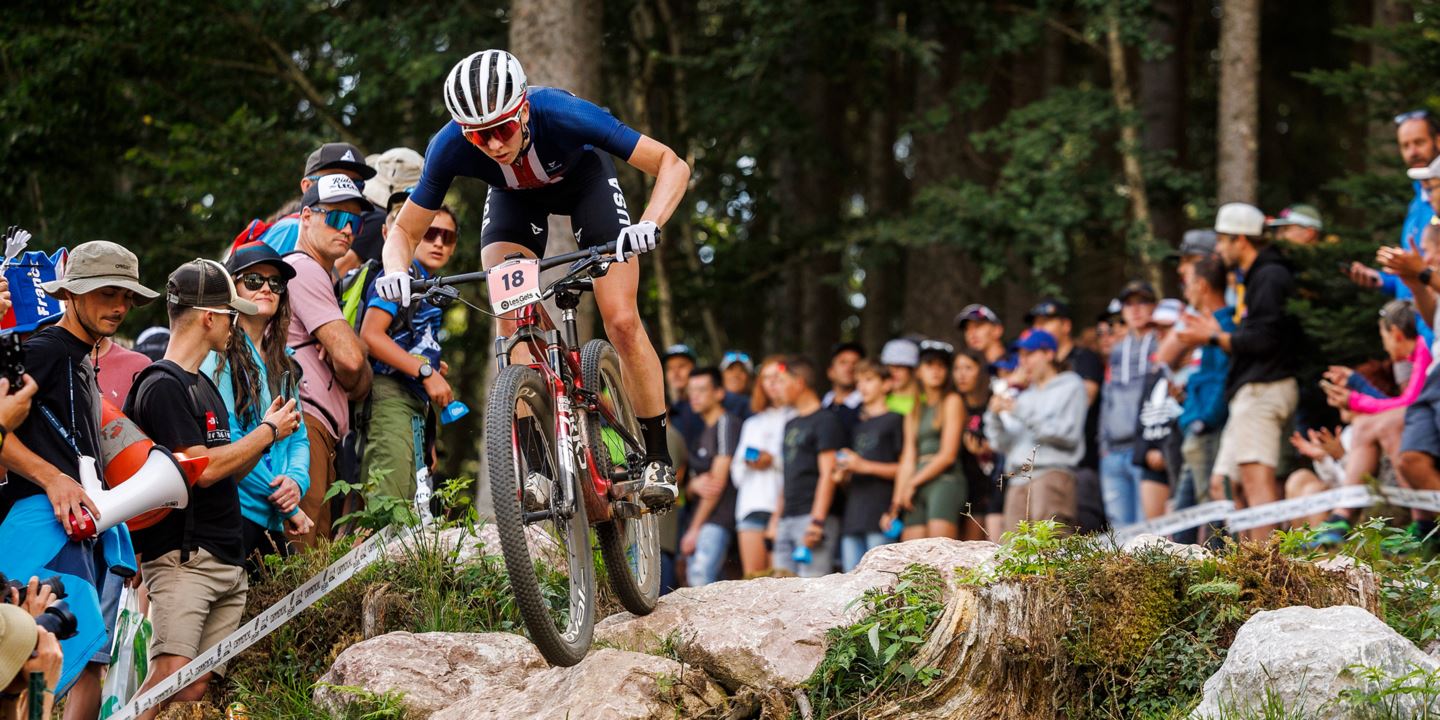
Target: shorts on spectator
[1259, 413]
[943, 498]
[791, 534]
[193, 605]
[1422, 420]
[1049, 495]
[753, 522]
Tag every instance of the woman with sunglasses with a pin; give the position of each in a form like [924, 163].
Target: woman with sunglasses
[409, 380]
[254, 369]
[544, 151]
[930, 487]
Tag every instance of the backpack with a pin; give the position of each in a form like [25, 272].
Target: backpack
[256, 230]
[187, 538]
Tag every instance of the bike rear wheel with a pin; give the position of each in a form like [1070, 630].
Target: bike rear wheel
[557, 605]
[630, 548]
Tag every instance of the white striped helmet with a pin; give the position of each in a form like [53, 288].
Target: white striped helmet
[484, 87]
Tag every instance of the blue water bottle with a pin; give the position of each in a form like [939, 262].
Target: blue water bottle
[896, 527]
[454, 411]
[801, 555]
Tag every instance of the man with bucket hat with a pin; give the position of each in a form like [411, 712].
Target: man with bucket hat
[99, 286]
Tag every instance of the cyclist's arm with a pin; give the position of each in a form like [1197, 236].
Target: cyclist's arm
[404, 236]
[671, 174]
[345, 353]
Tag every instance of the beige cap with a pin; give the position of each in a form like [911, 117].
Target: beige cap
[99, 264]
[396, 169]
[18, 636]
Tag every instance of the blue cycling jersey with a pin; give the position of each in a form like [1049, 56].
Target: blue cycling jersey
[562, 129]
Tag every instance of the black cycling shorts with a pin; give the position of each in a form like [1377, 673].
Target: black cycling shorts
[589, 195]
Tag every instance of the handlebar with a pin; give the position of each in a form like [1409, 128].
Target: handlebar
[420, 286]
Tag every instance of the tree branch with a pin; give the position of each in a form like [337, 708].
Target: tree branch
[297, 78]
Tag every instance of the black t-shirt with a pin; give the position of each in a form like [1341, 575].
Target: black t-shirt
[715, 441]
[1088, 365]
[178, 415]
[56, 359]
[880, 439]
[805, 438]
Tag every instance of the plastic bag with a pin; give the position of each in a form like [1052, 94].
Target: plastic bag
[130, 657]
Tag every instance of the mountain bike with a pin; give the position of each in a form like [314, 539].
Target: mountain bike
[564, 455]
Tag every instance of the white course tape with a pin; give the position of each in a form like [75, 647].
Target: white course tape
[1350, 496]
[266, 622]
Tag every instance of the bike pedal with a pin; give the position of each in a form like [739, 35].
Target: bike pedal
[625, 488]
[623, 510]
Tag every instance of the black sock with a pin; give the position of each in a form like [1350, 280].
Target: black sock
[657, 447]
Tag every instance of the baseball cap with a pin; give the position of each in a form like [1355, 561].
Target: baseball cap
[257, 253]
[1168, 312]
[854, 347]
[18, 635]
[678, 350]
[1037, 340]
[937, 348]
[205, 284]
[1007, 362]
[735, 356]
[1137, 287]
[397, 172]
[1240, 219]
[335, 189]
[1195, 242]
[1298, 214]
[900, 351]
[338, 156]
[1048, 307]
[98, 264]
[1429, 172]
[975, 312]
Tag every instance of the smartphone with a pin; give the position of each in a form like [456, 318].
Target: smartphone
[287, 386]
[752, 454]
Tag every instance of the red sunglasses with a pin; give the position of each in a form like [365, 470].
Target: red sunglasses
[501, 130]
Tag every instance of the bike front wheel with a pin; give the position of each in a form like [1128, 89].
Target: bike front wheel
[630, 548]
[546, 546]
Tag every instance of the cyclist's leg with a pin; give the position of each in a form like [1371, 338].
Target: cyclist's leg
[513, 223]
[598, 212]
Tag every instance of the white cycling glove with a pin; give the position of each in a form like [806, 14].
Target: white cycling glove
[636, 239]
[394, 287]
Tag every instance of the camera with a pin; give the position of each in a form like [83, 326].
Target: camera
[57, 618]
[57, 586]
[12, 360]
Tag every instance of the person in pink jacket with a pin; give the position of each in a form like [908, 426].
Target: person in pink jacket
[1379, 421]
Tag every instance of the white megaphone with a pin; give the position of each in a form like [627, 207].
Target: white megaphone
[163, 481]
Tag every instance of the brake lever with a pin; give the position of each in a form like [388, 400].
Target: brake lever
[442, 296]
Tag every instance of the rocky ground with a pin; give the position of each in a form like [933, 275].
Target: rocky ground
[741, 649]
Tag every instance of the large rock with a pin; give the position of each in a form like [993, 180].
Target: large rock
[770, 632]
[433, 670]
[608, 684]
[942, 554]
[1305, 658]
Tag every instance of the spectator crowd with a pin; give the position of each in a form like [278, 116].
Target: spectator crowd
[288, 373]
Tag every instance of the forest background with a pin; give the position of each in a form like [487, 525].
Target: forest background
[861, 168]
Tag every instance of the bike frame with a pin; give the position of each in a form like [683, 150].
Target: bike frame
[555, 355]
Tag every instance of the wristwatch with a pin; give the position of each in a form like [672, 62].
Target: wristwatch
[1425, 276]
[425, 371]
[1214, 340]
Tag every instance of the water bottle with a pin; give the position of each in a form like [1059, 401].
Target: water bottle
[422, 497]
[454, 411]
[896, 527]
[801, 555]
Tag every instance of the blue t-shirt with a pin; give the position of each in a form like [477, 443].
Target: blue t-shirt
[420, 337]
[562, 129]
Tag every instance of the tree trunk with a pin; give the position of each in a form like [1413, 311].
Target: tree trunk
[1162, 104]
[1238, 130]
[1130, 148]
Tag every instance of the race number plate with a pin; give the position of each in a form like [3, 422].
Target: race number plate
[514, 284]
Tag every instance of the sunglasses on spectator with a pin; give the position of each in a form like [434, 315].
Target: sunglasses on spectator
[341, 219]
[254, 281]
[1402, 118]
[937, 346]
[359, 184]
[229, 313]
[444, 236]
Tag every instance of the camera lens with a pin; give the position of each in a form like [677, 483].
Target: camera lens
[59, 621]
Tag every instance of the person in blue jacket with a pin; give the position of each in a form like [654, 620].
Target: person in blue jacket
[255, 369]
[1418, 137]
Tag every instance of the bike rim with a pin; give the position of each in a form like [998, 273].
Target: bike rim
[564, 537]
